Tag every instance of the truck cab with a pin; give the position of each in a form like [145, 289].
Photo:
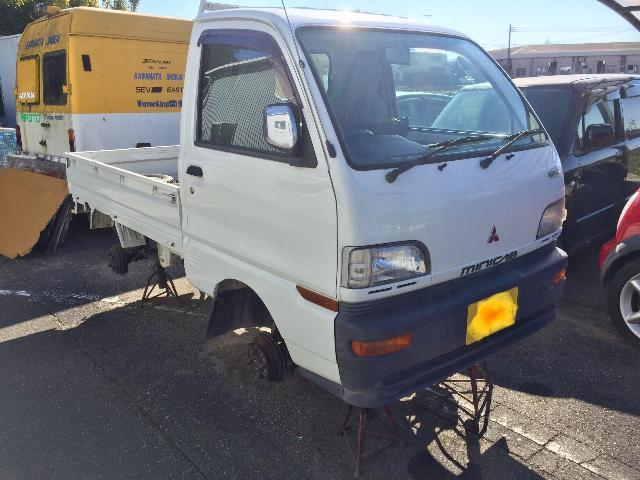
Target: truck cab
[387, 253]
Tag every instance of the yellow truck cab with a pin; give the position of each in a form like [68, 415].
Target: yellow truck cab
[90, 78]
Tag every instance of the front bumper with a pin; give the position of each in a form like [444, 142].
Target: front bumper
[437, 319]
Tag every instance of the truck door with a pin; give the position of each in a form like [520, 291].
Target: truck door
[248, 208]
[55, 121]
[596, 194]
[42, 98]
[28, 99]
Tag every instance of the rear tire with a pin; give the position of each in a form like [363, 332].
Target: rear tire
[623, 301]
[118, 260]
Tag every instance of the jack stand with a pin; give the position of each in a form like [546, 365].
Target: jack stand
[473, 395]
[392, 432]
[164, 282]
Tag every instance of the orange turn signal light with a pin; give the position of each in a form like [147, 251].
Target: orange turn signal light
[561, 276]
[381, 347]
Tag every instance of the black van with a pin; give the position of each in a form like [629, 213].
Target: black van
[594, 121]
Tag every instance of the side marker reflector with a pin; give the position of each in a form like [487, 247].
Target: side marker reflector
[560, 277]
[318, 298]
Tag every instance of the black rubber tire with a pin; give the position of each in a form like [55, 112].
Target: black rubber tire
[118, 260]
[614, 289]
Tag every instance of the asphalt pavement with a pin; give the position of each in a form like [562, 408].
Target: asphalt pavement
[93, 385]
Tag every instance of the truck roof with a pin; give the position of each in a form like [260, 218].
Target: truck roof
[573, 80]
[116, 23]
[311, 16]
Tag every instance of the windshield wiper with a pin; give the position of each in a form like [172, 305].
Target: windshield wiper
[511, 139]
[437, 148]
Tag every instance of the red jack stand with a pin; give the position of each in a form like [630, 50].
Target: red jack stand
[387, 421]
[473, 394]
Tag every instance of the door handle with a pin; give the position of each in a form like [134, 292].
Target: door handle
[194, 171]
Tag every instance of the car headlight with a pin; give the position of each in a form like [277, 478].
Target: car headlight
[371, 266]
[552, 219]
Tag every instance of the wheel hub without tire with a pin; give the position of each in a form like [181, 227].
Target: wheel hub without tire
[267, 357]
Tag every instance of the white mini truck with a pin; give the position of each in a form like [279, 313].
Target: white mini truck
[375, 189]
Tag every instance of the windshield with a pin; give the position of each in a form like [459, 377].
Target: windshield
[392, 94]
[552, 104]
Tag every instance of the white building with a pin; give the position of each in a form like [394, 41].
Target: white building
[559, 59]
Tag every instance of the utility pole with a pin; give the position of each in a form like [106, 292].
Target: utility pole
[509, 68]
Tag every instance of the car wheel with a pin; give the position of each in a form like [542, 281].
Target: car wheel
[623, 301]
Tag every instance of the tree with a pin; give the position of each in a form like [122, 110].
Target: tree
[16, 14]
[131, 5]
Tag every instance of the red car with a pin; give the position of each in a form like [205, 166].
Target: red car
[620, 272]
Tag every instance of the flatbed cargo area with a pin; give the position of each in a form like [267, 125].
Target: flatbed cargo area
[137, 188]
[154, 162]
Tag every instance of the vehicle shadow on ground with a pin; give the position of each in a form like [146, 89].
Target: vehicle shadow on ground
[75, 276]
[203, 398]
[583, 279]
[456, 448]
[580, 355]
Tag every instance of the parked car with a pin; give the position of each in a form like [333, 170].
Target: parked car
[594, 121]
[620, 272]
[384, 256]
[421, 108]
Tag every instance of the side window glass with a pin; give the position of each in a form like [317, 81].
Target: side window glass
[631, 111]
[601, 112]
[54, 78]
[236, 84]
[323, 66]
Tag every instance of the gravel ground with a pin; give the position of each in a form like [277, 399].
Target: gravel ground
[92, 386]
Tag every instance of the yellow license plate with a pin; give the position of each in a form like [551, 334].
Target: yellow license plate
[491, 315]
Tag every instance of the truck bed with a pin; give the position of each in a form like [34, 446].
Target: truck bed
[137, 188]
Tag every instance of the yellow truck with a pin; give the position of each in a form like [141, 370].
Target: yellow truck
[86, 79]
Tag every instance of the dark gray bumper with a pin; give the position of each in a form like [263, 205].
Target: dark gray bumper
[437, 319]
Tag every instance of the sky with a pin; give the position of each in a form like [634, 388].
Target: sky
[535, 21]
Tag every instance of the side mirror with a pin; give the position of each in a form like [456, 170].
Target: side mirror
[599, 135]
[281, 127]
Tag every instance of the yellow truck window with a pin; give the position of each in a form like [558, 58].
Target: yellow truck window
[28, 80]
[54, 77]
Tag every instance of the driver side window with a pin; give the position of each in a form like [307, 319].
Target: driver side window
[236, 85]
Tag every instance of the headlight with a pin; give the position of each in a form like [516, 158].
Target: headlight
[552, 219]
[368, 267]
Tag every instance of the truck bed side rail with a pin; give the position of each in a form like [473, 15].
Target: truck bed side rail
[147, 204]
